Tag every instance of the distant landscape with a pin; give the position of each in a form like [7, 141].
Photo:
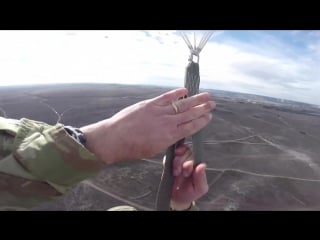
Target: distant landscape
[262, 153]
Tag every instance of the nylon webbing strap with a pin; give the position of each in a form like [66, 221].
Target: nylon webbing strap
[192, 83]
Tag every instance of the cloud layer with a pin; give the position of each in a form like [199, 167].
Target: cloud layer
[282, 64]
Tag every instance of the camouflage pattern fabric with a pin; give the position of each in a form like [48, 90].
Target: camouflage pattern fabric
[39, 162]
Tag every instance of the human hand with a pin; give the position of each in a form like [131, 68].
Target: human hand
[189, 183]
[149, 127]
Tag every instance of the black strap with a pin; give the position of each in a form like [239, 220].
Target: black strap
[76, 133]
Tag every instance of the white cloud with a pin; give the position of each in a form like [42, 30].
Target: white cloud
[156, 57]
[261, 70]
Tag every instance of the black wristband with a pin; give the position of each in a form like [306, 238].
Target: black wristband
[76, 133]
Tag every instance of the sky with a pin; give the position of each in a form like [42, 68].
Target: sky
[280, 64]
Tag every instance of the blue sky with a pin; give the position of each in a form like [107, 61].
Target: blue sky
[281, 64]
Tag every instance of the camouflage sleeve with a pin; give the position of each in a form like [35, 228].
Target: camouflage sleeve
[39, 162]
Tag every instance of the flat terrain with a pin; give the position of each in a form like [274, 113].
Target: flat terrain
[262, 154]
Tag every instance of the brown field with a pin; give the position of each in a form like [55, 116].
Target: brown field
[261, 155]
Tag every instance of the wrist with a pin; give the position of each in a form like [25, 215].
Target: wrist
[102, 140]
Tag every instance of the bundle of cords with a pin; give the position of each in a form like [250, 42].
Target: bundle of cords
[191, 82]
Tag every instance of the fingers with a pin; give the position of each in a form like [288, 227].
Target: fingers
[187, 168]
[187, 103]
[181, 150]
[179, 160]
[182, 171]
[177, 166]
[172, 105]
[167, 98]
[200, 180]
[191, 127]
[198, 176]
[196, 112]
